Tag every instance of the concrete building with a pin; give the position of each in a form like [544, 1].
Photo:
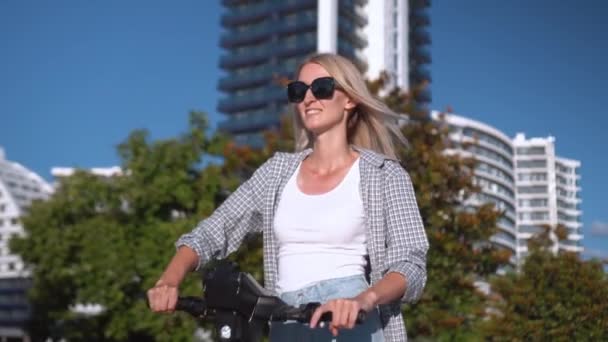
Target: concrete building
[548, 192]
[495, 172]
[524, 178]
[18, 188]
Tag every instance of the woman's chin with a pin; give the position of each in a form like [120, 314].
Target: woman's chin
[319, 129]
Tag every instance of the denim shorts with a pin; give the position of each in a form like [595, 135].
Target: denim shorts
[347, 287]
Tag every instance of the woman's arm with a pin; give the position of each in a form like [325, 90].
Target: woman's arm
[406, 241]
[214, 237]
[163, 296]
[241, 213]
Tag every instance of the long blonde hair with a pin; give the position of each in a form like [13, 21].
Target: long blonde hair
[371, 124]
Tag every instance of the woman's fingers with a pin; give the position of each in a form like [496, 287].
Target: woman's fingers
[162, 298]
[344, 314]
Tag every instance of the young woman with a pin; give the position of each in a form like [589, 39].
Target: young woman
[335, 213]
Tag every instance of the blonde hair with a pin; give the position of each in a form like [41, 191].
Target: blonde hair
[370, 124]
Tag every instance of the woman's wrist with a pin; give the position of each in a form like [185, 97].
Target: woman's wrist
[368, 299]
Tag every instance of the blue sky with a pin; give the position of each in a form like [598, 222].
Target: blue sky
[77, 76]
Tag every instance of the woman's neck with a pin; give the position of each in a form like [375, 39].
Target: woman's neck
[330, 153]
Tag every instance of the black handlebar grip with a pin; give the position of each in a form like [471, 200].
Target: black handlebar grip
[193, 305]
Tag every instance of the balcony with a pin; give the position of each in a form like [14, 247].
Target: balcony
[420, 4]
[424, 96]
[246, 15]
[355, 55]
[233, 2]
[420, 37]
[503, 242]
[251, 79]
[419, 57]
[250, 123]
[301, 24]
[231, 82]
[250, 101]
[347, 9]
[419, 19]
[232, 61]
[420, 75]
[350, 32]
[297, 5]
[301, 46]
[235, 39]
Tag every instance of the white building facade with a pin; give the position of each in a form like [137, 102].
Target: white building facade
[398, 43]
[494, 174]
[525, 179]
[548, 192]
[18, 188]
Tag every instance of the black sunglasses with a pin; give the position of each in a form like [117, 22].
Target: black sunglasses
[322, 88]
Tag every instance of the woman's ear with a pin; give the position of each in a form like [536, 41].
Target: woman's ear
[350, 104]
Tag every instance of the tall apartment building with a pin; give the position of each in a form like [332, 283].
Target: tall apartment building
[494, 174]
[524, 178]
[548, 192]
[397, 43]
[18, 188]
[265, 39]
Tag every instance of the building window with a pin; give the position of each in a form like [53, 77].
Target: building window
[14, 221]
[538, 189]
[535, 216]
[2, 208]
[530, 229]
[534, 176]
[536, 202]
[537, 150]
[11, 266]
[532, 163]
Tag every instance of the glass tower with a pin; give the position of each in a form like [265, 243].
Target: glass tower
[265, 40]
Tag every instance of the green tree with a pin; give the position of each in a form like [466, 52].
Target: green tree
[460, 253]
[555, 297]
[105, 240]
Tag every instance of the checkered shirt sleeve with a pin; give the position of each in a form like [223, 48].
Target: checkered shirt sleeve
[406, 239]
[241, 213]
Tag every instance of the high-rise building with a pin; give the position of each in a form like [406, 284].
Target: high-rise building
[494, 173]
[18, 188]
[397, 43]
[525, 179]
[548, 192]
[266, 39]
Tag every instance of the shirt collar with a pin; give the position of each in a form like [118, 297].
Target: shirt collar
[374, 158]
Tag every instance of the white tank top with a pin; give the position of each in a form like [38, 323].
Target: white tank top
[320, 236]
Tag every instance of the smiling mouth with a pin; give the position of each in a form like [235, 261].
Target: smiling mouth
[312, 111]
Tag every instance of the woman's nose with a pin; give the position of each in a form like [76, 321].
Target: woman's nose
[308, 96]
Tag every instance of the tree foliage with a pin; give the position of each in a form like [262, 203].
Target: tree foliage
[555, 297]
[105, 240]
[459, 253]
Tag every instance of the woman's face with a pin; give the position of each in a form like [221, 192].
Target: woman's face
[317, 115]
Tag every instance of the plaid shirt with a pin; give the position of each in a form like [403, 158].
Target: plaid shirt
[396, 240]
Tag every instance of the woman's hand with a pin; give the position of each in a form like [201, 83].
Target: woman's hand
[344, 311]
[163, 297]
